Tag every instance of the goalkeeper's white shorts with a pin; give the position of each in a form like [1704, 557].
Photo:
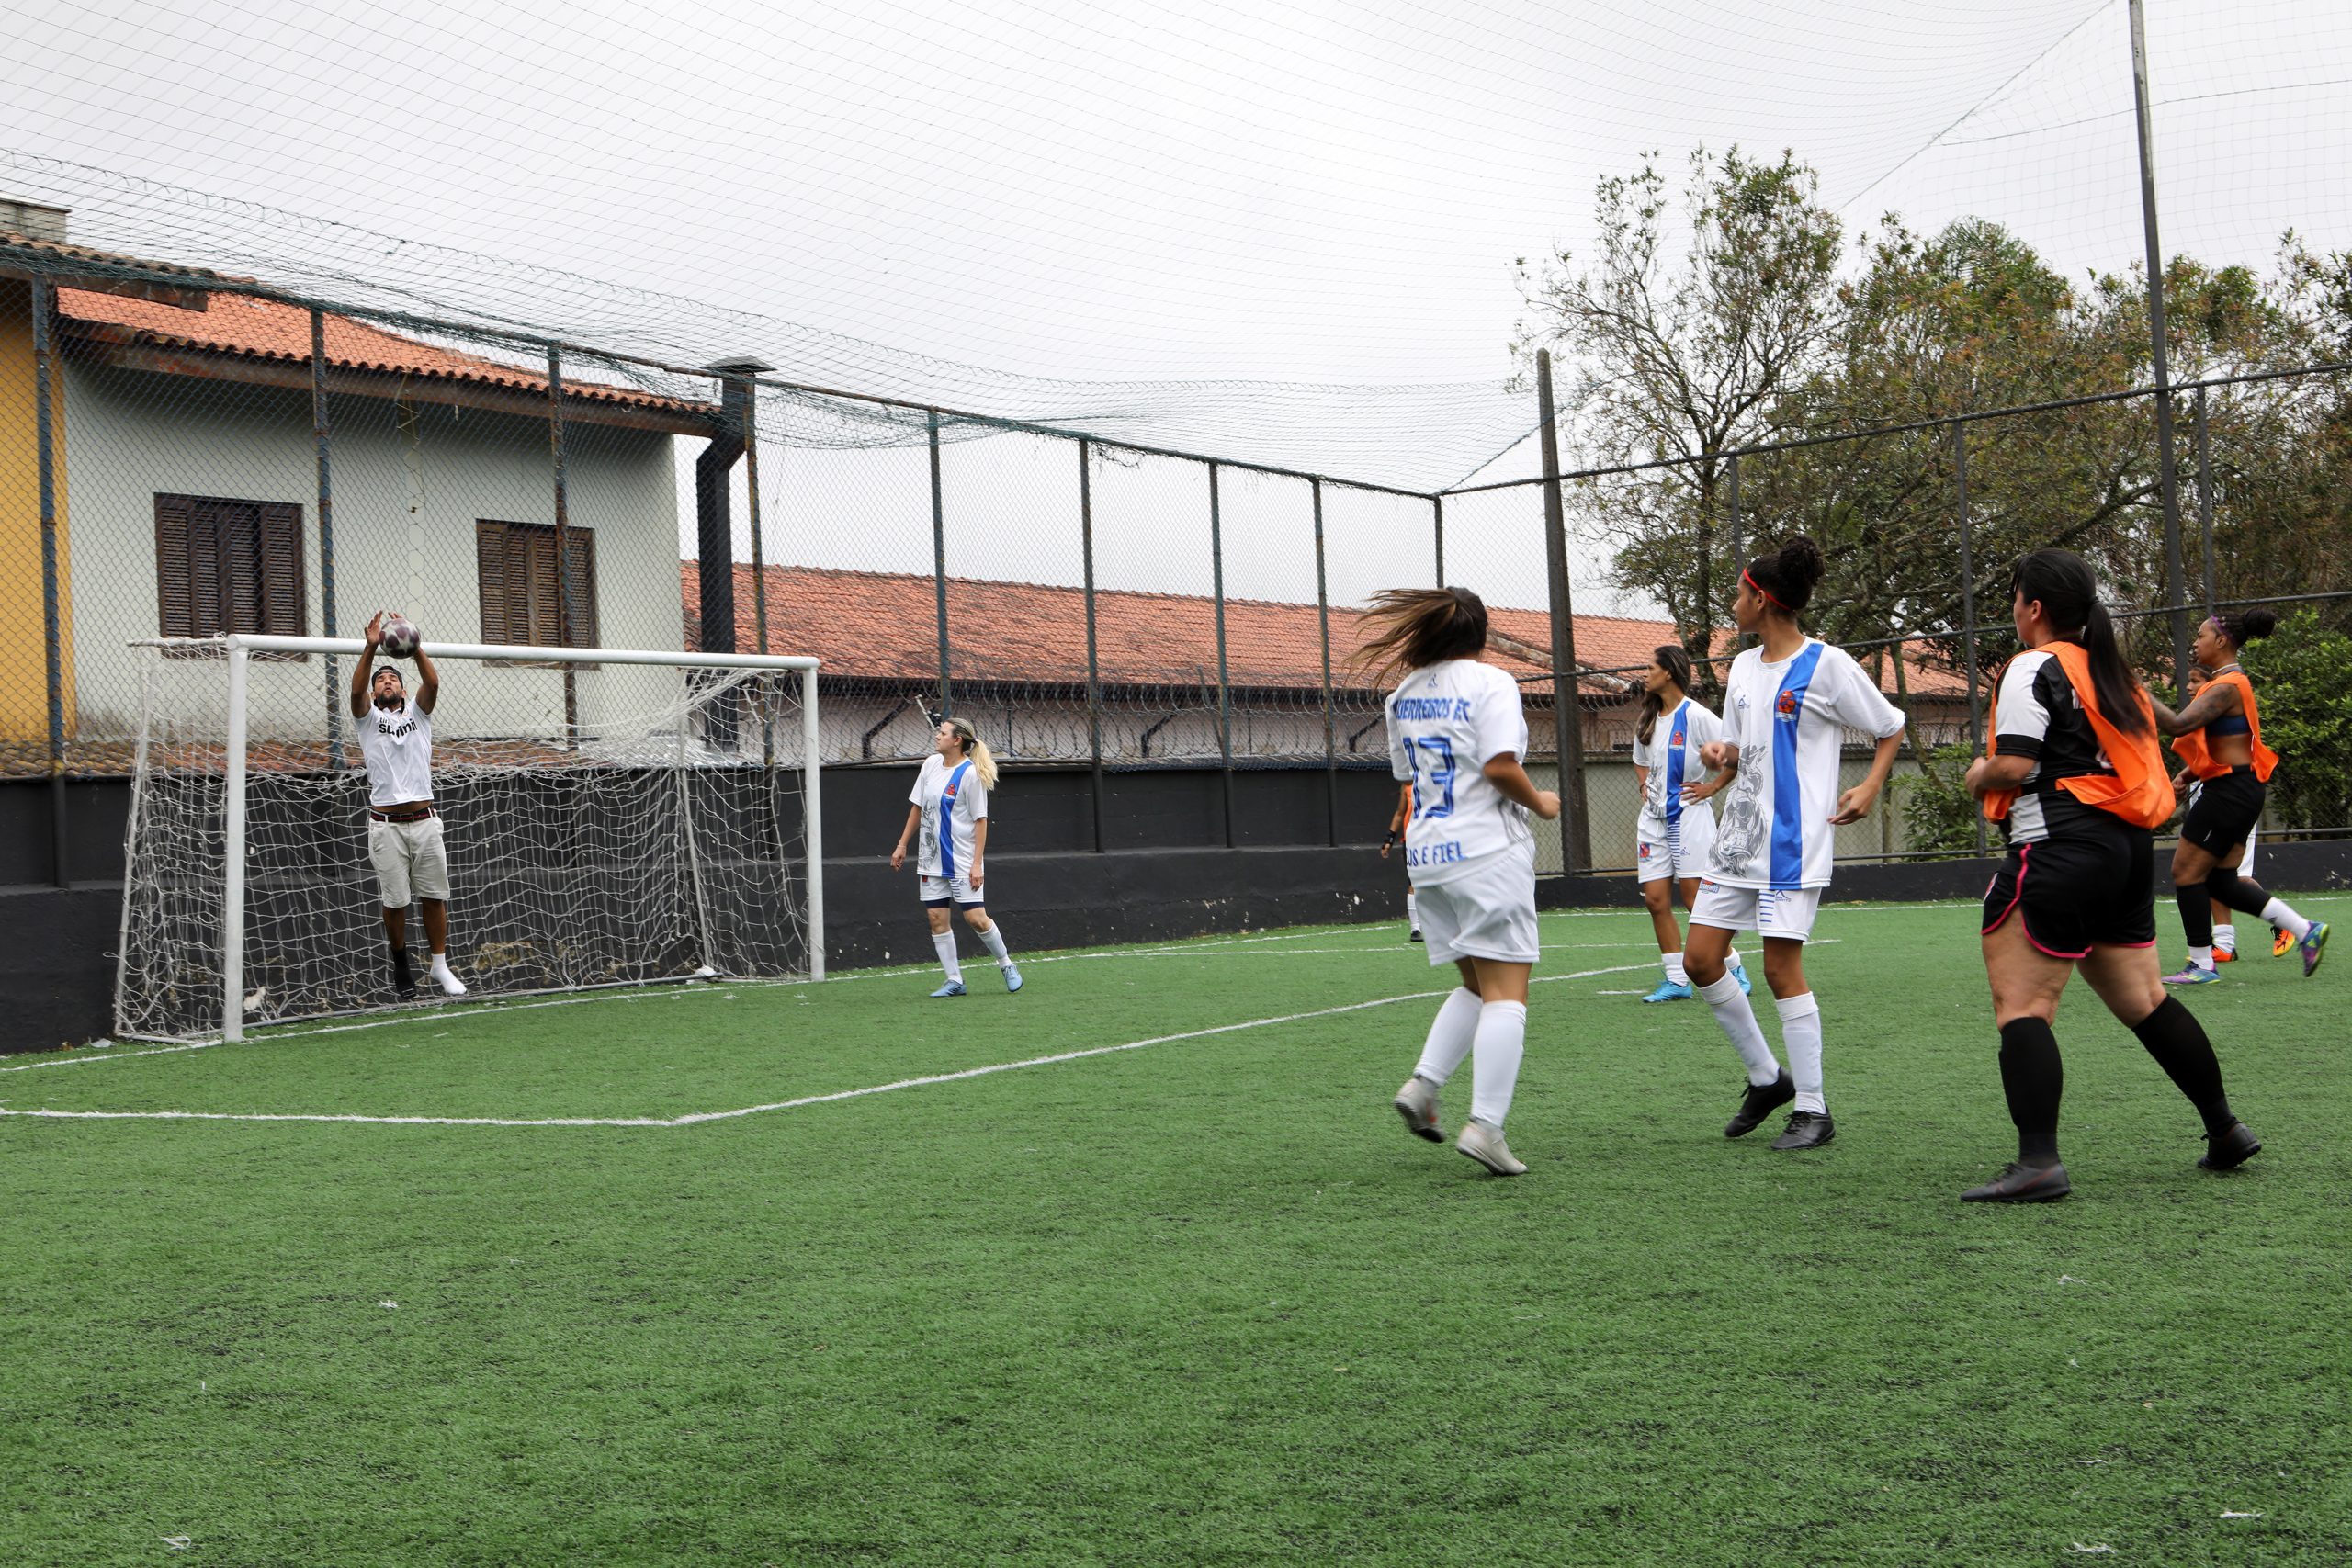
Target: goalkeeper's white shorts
[410, 861]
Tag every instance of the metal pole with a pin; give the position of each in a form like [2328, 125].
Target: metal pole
[326, 530]
[1224, 682]
[232, 868]
[1323, 622]
[2205, 496]
[2176, 573]
[1094, 666]
[750, 400]
[1737, 563]
[1967, 604]
[52, 608]
[562, 547]
[1567, 718]
[1437, 534]
[939, 567]
[812, 821]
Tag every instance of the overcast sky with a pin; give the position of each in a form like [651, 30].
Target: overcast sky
[1083, 191]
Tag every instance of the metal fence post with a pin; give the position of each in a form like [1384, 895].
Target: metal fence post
[562, 547]
[939, 565]
[2168, 487]
[1323, 624]
[747, 392]
[1437, 534]
[1967, 604]
[1732, 528]
[1567, 718]
[51, 603]
[1093, 664]
[1224, 679]
[2205, 495]
[319, 426]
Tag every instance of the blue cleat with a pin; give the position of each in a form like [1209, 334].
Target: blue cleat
[2192, 974]
[953, 988]
[2315, 943]
[1667, 991]
[1012, 976]
[1740, 972]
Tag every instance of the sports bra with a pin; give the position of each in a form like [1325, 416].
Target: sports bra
[2228, 724]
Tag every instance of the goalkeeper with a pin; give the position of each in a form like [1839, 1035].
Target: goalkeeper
[403, 830]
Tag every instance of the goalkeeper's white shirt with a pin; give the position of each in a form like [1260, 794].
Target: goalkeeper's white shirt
[398, 746]
[953, 800]
[1445, 723]
[1789, 721]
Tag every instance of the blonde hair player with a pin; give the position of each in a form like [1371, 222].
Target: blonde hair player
[404, 842]
[949, 806]
[1456, 732]
[1677, 827]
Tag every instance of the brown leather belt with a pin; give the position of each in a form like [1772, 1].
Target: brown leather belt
[375, 815]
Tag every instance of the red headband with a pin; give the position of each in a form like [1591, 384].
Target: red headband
[1770, 597]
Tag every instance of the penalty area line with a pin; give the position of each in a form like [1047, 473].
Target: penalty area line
[698, 1118]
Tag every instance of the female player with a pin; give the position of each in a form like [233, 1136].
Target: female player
[2072, 769]
[1677, 828]
[1786, 710]
[1398, 823]
[1456, 733]
[950, 805]
[2225, 930]
[2218, 737]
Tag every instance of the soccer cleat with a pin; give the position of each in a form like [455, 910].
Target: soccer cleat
[1760, 1101]
[1417, 1103]
[2313, 944]
[2192, 974]
[2282, 941]
[1013, 981]
[953, 988]
[2230, 1149]
[1806, 1130]
[1740, 972]
[2021, 1183]
[1416, 935]
[1667, 991]
[2224, 956]
[1485, 1144]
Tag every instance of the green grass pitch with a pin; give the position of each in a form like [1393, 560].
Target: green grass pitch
[1200, 1301]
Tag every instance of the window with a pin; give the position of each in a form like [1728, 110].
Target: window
[225, 566]
[520, 600]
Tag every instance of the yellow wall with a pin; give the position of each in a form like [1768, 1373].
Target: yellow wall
[24, 679]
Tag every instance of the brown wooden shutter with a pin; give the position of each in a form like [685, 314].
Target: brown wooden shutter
[175, 585]
[237, 525]
[581, 545]
[490, 562]
[285, 608]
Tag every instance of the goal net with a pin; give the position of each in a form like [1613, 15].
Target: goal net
[611, 817]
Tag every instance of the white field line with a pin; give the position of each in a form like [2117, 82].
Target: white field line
[698, 1118]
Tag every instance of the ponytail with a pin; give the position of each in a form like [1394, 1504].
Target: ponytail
[977, 750]
[1671, 658]
[2068, 590]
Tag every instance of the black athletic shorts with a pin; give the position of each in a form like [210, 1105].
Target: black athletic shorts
[2226, 810]
[2091, 883]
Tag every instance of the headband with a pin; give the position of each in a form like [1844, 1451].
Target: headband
[1770, 597]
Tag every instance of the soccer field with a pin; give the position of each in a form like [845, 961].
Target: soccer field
[1138, 1266]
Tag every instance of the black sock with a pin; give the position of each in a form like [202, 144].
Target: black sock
[2177, 1042]
[2196, 912]
[399, 965]
[2235, 892]
[2033, 1077]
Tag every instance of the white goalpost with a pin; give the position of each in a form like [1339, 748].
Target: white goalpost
[614, 817]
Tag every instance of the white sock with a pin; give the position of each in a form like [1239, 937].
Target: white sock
[1731, 960]
[440, 964]
[1493, 1062]
[1412, 909]
[1801, 1034]
[2286, 919]
[2225, 938]
[1675, 974]
[1451, 1033]
[2201, 956]
[943, 943]
[1729, 1004]
[993, 938]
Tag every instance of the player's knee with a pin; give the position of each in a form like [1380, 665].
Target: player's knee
[1654, 897]
[978, 918]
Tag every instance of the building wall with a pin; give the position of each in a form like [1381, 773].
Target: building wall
[24, 673]
[410, 481]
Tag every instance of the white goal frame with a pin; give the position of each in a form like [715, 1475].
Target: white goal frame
[240, 647]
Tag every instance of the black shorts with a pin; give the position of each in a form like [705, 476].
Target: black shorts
[2226, 810]
[2092, 883]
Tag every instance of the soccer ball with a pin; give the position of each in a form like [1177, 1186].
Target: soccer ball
[399, 637]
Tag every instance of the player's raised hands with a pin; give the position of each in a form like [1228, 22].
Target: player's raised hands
[376, 631]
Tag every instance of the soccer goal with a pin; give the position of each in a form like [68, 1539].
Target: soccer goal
[613, 817]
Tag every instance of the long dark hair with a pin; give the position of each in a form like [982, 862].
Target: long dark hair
[2068, 590]
[2242, 626]
[1413, 628]
[1787, 577]
[1677, 665]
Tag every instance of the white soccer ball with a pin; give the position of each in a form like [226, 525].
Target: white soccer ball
[399, 637]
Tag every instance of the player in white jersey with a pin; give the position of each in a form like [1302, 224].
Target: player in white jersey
[949, 806]
[1396, 826]
[1786, 709]
[405, 839]
[1456, 732]
[1677, 827]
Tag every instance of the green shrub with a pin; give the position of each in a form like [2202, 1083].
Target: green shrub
[2302, 677]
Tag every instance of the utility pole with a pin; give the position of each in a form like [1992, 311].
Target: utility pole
[2168, 491]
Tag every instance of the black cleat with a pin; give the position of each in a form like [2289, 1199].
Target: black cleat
[2230, 1149]
[1806, 1130]
[2021, 1183]
[404, 982]
[1760, 1101]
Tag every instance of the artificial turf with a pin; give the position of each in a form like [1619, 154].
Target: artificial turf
[1202, 1302]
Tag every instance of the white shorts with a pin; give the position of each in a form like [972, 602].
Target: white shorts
[410, 861]
[1488, 911]
[1782, 912]
[938, 891]
[1677, 850]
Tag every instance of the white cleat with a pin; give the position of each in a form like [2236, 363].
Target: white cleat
[1485, 1144]
[1417, 1103]
[451, 985]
